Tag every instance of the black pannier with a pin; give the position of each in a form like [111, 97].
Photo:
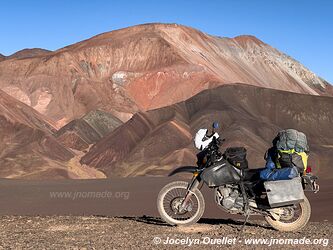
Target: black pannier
[287, 160]
[220, 173]
[237, 157]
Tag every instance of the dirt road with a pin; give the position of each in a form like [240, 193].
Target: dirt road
[82, 214]
[117, 197]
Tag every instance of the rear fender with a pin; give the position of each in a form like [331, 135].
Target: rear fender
[309, 183]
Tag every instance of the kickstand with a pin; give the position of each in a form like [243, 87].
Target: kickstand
[242, 227]
[246, 203]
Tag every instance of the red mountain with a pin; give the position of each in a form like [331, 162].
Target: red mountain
[28, 53]
[2, 57]
[146, 67]
[27, 145]
[28, 148]
[79, 102]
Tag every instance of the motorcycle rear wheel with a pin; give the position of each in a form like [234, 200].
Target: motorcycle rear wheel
[298, 224]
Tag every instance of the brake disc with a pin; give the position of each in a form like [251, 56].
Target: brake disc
[176, 206]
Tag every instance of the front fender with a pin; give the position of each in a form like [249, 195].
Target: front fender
[186, 169]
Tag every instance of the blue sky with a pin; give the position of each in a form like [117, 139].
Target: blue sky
[302, 29]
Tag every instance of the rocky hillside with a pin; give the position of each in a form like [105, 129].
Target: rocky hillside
[80, 133]
[146, 67]
[157, 141]
[27, 147]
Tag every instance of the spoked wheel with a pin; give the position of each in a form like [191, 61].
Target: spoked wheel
[169, 204]
[293, 218]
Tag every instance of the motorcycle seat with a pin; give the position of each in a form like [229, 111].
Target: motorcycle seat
[252, 175]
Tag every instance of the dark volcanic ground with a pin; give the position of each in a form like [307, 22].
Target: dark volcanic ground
[71, 232]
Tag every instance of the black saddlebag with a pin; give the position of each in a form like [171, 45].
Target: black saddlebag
[220, 173]
[237, 157]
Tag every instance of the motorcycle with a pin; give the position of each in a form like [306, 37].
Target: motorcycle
[237, 190]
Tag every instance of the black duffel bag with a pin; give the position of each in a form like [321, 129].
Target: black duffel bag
[237, 157]
[287, 160]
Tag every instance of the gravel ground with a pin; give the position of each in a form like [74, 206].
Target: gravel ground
[92, 232]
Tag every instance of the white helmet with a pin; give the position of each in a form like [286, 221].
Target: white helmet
[201, 140]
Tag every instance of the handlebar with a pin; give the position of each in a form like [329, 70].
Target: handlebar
[213, 152]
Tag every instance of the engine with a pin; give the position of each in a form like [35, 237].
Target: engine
[229, 198]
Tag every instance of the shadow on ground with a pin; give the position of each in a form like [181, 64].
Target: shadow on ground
[230, 222]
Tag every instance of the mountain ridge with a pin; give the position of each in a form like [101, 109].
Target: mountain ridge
[145, 67]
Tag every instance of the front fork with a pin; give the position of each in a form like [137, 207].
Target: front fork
[193, 184]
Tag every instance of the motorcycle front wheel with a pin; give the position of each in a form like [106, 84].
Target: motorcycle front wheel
[169, 203]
